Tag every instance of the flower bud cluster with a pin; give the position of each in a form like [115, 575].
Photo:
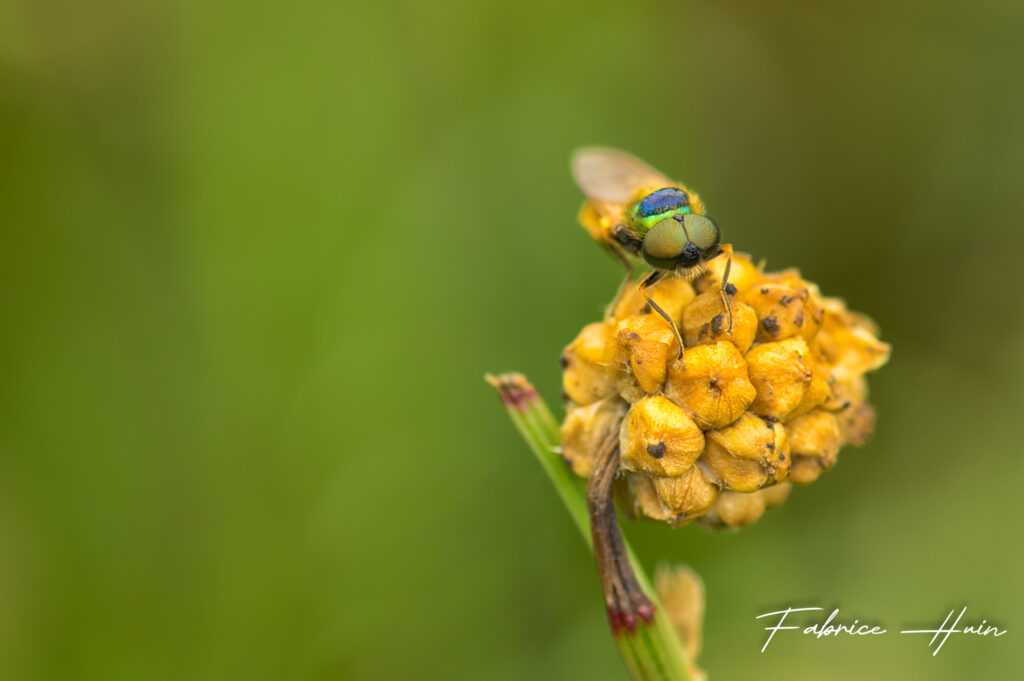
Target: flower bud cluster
[719, 435]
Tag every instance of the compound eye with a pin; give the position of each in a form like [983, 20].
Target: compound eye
[664, 243]
[701, 230]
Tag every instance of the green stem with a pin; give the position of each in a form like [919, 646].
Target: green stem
[653, 652]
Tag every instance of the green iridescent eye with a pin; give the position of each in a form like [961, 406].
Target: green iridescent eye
[664, 243]
[701, 231]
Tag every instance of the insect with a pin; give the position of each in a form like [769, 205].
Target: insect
[635, 212]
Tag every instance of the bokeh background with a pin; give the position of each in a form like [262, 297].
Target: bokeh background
[255, 260]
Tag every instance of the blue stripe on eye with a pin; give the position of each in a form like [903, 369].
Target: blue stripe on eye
[662, 200]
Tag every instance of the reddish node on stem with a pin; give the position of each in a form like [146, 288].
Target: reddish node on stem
[515, 391]
[625, 621]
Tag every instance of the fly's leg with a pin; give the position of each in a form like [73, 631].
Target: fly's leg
[727, 289]
[650, 280]
[624, 600]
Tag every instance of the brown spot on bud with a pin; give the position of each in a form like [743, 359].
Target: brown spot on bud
[785, 309]
[705, 321]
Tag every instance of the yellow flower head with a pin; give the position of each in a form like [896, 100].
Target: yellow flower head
[718, 435]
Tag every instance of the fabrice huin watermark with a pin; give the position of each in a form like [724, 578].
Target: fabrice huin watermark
[954, 623]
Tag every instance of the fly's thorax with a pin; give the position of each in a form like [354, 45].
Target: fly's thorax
[650, 205]
[655, 206]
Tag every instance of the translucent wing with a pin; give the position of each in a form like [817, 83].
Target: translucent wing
[610, 178]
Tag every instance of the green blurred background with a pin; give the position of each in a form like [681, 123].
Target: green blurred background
[255, 259]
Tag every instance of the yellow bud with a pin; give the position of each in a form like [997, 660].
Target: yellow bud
[856, 417]
[585, 376]
[649, 343]
[748, 454]
[857, 423]
[734, 510]
[789, 276]
[688, 495]
[732, 472]
[813, 444]
[787, 379]
[671, 294]
[784, 311]
[814, 434]
[658, 437]
[742, 273]
[844, 393]
[805, 470]
[775, 495]
[817, 392]
[849, 341]
[585, 428]
[636, 494]
[705, 320]
[681, 592]
[711, 384]
[629, 388]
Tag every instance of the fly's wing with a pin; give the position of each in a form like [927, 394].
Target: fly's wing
[610, 178]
